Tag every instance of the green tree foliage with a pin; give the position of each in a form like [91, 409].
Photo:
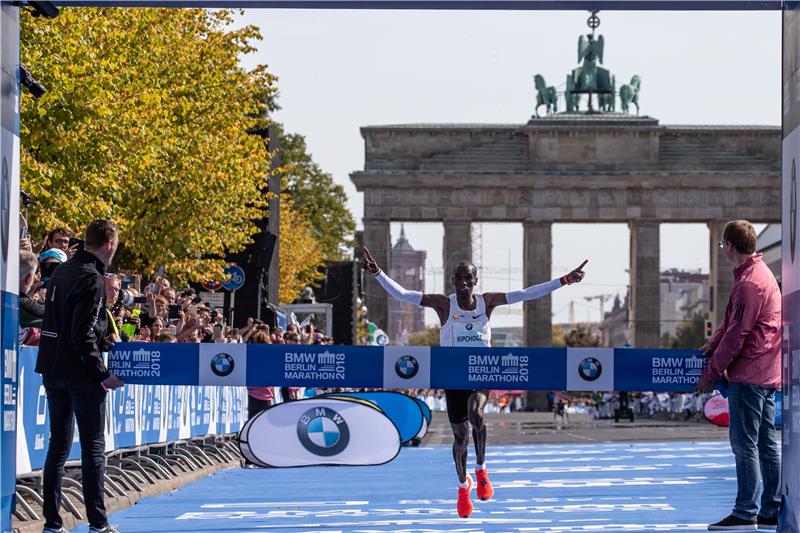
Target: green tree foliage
[690, 334]
[315, 194]
[582, 337]
[427, 337]
[145, 121]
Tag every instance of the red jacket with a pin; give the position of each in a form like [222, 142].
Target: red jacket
[748, 342]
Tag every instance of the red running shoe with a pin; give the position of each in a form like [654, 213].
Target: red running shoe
[485, 490]
[464, 504]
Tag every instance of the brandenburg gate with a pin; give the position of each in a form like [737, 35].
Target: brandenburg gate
[591, 166]
[589, 169]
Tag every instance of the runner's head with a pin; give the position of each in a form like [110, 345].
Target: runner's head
[465, 277]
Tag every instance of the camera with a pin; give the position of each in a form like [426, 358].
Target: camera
[129, 298]
[28, 81]
[174, 311]
[75, 242]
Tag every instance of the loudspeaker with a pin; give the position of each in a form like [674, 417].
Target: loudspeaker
[263, 249]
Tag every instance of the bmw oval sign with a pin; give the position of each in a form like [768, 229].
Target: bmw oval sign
[322, 431]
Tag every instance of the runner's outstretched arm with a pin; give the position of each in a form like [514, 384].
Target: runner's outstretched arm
[438, 302]
[493, 299]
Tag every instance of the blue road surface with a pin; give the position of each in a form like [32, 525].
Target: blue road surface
[664, 486]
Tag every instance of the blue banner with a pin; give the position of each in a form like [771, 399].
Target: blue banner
[575, 369]
[789, 521]
[10, 320]
[136, 414]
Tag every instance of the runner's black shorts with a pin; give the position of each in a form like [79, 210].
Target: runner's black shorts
[458, 403]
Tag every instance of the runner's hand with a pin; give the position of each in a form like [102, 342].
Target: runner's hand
[575, 276]
[370, 264]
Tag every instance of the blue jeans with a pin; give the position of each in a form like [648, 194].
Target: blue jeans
[755, 448]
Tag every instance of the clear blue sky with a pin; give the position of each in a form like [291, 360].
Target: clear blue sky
[339, 70]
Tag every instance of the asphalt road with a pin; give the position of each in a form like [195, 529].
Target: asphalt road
[539, 428]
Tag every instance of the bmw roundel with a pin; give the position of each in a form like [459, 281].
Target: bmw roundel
[590, 369]
[222, 364]
[469, 327]
[406, 367]
[322, 431]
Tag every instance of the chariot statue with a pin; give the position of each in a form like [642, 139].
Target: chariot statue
[589, 79]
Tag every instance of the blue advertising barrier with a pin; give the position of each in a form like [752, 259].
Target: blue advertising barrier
[575, 369]
[136, 414]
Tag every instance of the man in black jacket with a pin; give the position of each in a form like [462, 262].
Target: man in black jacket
[75, 377]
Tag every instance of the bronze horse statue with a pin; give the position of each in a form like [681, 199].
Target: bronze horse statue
[545, 96]
[629, 94]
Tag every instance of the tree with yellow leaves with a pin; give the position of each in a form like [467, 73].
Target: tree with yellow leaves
[301, 252]
[145, 122]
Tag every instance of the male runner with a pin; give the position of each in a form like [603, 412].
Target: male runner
[465, 322]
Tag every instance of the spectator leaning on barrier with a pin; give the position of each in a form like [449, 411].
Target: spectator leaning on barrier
[748, 346]
[112, 285]
[259, 398]
[31, 312]
[74, 375]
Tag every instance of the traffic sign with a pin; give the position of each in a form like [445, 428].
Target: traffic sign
[211, 285]
[235, 279]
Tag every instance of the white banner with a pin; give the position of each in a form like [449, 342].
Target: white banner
[320, 431]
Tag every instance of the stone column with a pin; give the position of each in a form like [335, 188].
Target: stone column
[720, 277]
[379, 241]
[645, 283]
[537, 253]
[457, 247]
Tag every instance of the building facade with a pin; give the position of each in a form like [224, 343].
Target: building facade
[408, 269]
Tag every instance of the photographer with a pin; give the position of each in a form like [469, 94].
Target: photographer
[74, 375]
[59, 238]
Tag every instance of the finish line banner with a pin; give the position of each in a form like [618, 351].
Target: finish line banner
[391, 367]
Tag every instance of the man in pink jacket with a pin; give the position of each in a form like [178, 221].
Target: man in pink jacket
[747, 345]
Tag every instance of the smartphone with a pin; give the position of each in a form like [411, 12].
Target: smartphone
[73, 241]
[174, 311]
[23, 232]
[161, 269]
[214, 314]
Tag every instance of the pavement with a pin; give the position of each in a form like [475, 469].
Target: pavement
[540, 428]
[651, 475]
[677, 486]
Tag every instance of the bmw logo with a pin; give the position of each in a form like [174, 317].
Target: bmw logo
[323, 431]
[406, 367]
[222, 364]
[469, 327]
[590, 369]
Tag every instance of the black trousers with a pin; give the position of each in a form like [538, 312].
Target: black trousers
[255, 406]
[87, 401]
